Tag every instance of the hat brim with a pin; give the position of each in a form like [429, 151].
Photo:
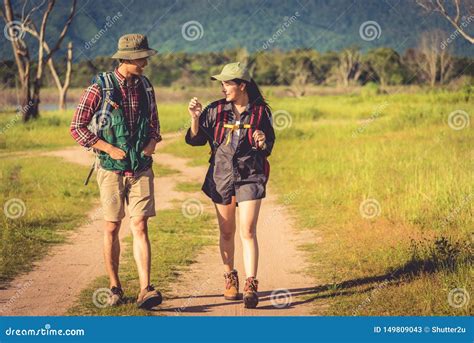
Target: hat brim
[134, 55]
[223, 77]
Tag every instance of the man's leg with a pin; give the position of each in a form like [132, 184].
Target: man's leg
[142, 206]
[112, 252]
[112, 199]
[141, 249]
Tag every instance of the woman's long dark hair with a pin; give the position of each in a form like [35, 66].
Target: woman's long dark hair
[254, 93]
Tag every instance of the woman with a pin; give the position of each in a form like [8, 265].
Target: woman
[239, 130]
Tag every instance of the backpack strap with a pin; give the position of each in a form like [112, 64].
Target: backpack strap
[102, 118]
[148, 91]
[257, 111]
[221, 119]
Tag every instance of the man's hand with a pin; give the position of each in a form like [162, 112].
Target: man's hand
[259, 138]
[116, 153]
[150, 148]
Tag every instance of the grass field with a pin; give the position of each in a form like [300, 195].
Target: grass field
[42, 198]
[385, 182]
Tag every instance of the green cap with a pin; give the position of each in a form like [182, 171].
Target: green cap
[133, 46]
[232, 71]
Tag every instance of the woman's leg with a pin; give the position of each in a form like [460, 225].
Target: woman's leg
[226, 219]
[248, 214]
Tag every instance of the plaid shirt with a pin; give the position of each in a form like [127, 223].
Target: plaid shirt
[91, 100]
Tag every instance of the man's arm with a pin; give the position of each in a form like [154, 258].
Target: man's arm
[88, 105]
[154, 131]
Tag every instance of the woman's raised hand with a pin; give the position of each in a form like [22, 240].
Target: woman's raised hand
[195, 108]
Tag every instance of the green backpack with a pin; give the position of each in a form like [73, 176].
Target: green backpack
[109, 124]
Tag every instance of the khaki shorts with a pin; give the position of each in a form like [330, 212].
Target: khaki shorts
[116, 190]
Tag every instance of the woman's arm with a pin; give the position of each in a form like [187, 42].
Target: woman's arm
[199, 132]
[266, 127]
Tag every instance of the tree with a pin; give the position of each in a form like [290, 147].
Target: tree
[432, 60]
[62, 88]
[385, 62]
[349, 67]
[16, 26]
[467, 7]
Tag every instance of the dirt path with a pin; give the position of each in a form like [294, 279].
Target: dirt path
[56, 281]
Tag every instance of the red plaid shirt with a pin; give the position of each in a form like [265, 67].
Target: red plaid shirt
[91, 100]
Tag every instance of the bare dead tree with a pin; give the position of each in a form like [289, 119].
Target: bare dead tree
[30, 88]
[302, 76]
[62, 88]
[434, 61]
[349, 68]
[462, 9]
[446, 64]
[428, 57]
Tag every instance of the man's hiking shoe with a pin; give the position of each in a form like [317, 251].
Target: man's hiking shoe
[231, 291]
[149, 298]
[116, 298]
[250, 293]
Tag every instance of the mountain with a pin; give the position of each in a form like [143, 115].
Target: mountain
[215, 25]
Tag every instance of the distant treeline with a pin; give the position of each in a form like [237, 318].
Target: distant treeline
[296, 68]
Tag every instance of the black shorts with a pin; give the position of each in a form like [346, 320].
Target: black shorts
[242, 190]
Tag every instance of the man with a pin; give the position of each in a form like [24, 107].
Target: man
[117, 117]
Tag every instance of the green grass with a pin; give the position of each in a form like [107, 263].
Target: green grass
[175, 242]
[50, 131]
[50, 195]
[161, 170]
[414, 165]
[188, 187]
